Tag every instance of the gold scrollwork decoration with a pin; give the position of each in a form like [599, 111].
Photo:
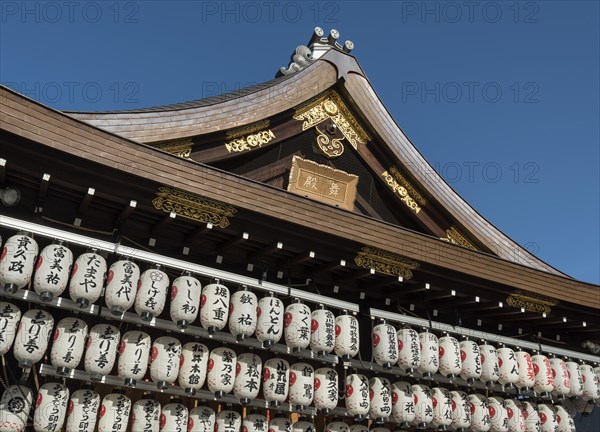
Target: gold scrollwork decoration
[330, 148]
[385, 262]
[403, 182]
[454, 236]
[531, 302]
[193, 207]
[331, 106]
[247, 129]
[250, 142]
[180, 148]
[402, 192]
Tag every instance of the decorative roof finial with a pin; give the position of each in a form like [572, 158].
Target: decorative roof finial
[318, 45]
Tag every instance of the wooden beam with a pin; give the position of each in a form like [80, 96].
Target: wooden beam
[127, 211]
[198, 233]
[268, 250]
[2, 171]
[166, 220]
[232, 242]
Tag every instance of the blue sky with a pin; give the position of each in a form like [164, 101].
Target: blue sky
[502, 97]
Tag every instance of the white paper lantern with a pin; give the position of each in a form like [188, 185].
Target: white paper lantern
[269, 324]
[214, 307]
[296, 326]
[83, 411]
[247, 377]
[102, 345]
[322, 331]
[442, 407]
[490, 370]
[52, 271]
[526, 371]
[145, 416]
[17, 261]
[15, 405]
[562, 383]
[347, 342]
[429, 354]
[121, 285]
[461, 410]
[151, 293]
[164, 361]
[337, 426]
[544, 382]
[326, 389]
[380, 399]
[10, 315]
[193, 366]
[470, 360]
[134, 351]
[280, 424]
[301, 391]
[87, 278]
[243, 313]
[423, 405]
[507, 361]
[174, 417]
[185, 300]
[532, 419]
[202, 419]
[498, 414]
[564, 420]
[50, 407]
[303, 426]
[409, 350]
[276, 380]
[575, 379]
[69, 340]
[385, 344]
[548, 420]
[449, 350]
[591, 388]
[480, 416]
[221, 370]
[32, 337]
[228, 421]
[114, 412]
[357, 396]
[516, 420]
[403, 404]
[255, 423]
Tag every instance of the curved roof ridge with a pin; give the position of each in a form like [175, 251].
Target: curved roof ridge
[195, 103]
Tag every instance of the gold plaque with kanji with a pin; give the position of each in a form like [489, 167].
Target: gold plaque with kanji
[323, 183]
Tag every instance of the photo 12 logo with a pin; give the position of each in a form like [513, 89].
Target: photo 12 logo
[452, 12]
[470, 92]
[270, 12]
[54, 12]
[75, 92]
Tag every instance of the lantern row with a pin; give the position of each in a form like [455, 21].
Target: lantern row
[213, 305]
[152, 258]
[225, 372]
[83, 411]
[426, 353]
[21, 250]
[477, 334]
[410, 406]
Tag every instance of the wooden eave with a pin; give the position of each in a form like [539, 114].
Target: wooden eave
[53, 129]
